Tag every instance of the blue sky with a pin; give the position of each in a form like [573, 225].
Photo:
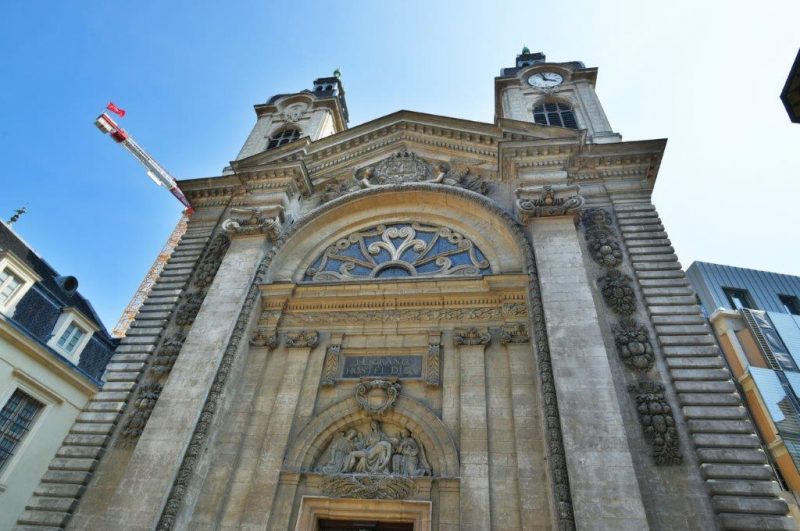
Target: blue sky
[706, 76]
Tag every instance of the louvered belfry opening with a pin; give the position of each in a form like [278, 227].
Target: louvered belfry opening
[555, 113]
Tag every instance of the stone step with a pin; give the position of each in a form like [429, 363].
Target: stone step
[162, 299]
[37, 528]
[129, 349]
[122, 376]
[67, 490]
[674, 310]
[663, 282]
[709, 362]
[640, 251]
[700, 374]
[670, 291]
[714, 412]
[129, 358]
[74, 439]
[43, 518]
[168, 284]
[660, 274]
[73, 464]
[92, 428]
[111, 396]
[724, 440]
[643, 265]
[84, 452]
[690, 340]
[674, 300]
[160, 314]
[636, 215]
[709, 399]
[125, 366]
[151, 308]
[694, 350]
[710, 426]
[97, 418]
[742, 488]
[162, 291]
[633, 207]
[717, 471]
[185, 259]
[732, 455]
[118, 386]
[654, 258]
[176, 271]
[634, 229]
[749, 522]
[144, 331]
[105, 406]
[65, 477]
[682, 329]
[692, 386]
[749, 505]
[641, 238]
[47, 503]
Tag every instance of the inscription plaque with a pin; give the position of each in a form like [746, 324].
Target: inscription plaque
[399, 366]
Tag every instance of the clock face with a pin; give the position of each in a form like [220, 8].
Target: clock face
[545, 79]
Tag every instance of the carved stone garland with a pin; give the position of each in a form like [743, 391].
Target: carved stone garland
[330, 369]
[167, 353]
[632, 340]
[433, 377]
[558, 467]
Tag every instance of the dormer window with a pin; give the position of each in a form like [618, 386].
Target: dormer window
[555, 113]
[16, 278]
[284, 136]
[70, 338]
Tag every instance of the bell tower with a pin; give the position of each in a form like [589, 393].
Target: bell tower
[552, 95]
[286, 118]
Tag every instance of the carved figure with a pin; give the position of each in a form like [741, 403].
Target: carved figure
[410, 457]
[339, 451]
[374, 453]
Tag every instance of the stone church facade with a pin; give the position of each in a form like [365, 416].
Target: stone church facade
[420, 322]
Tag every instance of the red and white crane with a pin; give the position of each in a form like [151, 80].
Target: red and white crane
[155, 171]
[161, 177]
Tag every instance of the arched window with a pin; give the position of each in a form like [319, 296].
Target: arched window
[399, 250]
[555, 113]
[284, 136]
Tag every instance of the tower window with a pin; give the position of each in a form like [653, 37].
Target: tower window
[555, 113]
[284, 136]
[16, 419]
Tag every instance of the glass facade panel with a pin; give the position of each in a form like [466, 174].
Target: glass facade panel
[773, 339]
[787, 327]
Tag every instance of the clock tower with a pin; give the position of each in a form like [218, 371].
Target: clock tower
[553, 94]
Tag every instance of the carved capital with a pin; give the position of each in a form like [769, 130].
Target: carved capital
[548, 200]
[302, 339]
[471, 336]
[254, 222]
[263, 338]
[517, 333]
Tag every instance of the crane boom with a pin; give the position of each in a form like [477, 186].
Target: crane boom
[155, 171]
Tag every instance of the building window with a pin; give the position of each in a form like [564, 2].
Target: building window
[555, 113]
[70, 338]
[284, 136]
[10, 285]
[739, 298]
[790, 303]
[16, 419]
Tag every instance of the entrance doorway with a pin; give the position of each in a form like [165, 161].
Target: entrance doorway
[363, 525]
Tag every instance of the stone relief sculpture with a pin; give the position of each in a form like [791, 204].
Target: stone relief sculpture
[331, 367]
[368, 487]
[406, 167]
[517, 333]
[656, 418]
[434, 365]
[302, 339]
[397, 251]
[375, 452]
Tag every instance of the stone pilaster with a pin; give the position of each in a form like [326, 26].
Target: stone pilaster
[598, 457]
[474, 440]
[143, 491]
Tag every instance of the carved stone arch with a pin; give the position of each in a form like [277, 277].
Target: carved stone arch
[498, 237]
[425, 426]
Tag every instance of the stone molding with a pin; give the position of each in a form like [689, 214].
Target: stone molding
[547, 201]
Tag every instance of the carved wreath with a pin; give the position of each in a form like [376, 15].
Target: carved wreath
[392, 389]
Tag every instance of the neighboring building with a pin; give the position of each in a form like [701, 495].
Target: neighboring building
[790, 96]
[53, 351]
[400, 325]
[756, 316]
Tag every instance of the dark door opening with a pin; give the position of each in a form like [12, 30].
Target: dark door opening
[363, 525]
